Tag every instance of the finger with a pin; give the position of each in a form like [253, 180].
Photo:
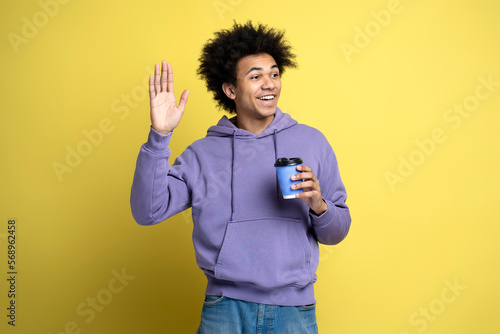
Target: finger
[307, 173]
[302, 168]
[307, 194]
[304, 185]
[304, 176]
[164, 76]
[184, 98]
[170, 79]
[157, 79]
[151, 88]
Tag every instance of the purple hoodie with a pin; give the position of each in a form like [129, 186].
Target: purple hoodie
[251, 243]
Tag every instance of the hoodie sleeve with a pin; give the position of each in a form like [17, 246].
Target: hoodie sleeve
[156, 195]
[333, 225]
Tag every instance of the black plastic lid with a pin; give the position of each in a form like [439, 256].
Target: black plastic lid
[282, 162]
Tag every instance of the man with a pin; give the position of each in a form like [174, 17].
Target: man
[258, 251]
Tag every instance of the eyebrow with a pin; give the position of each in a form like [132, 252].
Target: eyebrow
[260, 68]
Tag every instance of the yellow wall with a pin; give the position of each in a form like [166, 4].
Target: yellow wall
[383, 79]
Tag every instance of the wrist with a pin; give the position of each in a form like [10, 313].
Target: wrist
[162, 132]
[322, 209]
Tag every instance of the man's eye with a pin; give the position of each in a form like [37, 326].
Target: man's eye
[274, 75]
[255, 77]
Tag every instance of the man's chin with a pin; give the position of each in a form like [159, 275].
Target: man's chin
[267, 112]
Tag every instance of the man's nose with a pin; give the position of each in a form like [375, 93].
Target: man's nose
[268, 83]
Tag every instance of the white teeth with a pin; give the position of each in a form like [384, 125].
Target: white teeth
[266, 98]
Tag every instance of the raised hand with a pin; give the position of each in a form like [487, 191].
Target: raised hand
[165, 113]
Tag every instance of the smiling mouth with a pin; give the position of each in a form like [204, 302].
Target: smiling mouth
[266, 98]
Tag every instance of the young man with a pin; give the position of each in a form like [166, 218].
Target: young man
[258, 251]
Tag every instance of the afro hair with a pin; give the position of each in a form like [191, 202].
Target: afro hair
[220, 56]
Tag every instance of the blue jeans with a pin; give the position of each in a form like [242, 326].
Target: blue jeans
[222, 315]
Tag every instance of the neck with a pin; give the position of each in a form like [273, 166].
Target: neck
[255, 126]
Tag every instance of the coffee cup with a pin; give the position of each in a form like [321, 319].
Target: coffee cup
[285, 168]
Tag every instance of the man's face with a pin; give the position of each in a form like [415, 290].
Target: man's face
[258, 86]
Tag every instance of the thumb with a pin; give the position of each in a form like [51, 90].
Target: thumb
[184, 98]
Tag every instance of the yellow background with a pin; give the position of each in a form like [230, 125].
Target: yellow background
[86, 65]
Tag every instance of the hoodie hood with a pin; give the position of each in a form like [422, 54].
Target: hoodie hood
[226, 127]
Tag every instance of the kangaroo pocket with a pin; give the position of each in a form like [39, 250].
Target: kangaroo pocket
[271, 252]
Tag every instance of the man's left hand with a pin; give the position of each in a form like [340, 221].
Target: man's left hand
[312, 191]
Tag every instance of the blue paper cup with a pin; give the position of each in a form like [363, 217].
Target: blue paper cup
[285, 168]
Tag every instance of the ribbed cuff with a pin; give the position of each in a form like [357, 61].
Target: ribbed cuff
[158, 143]
[325, 218]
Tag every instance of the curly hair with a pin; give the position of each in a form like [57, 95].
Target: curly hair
[220, 56]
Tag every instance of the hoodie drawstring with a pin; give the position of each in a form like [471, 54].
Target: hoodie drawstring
[232, 174]
[275, 136]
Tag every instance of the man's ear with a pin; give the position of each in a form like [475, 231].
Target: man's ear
[229, 90]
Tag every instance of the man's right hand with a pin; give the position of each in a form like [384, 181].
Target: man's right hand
[165, 113]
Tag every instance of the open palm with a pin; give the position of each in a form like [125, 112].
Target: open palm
[165, 113]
